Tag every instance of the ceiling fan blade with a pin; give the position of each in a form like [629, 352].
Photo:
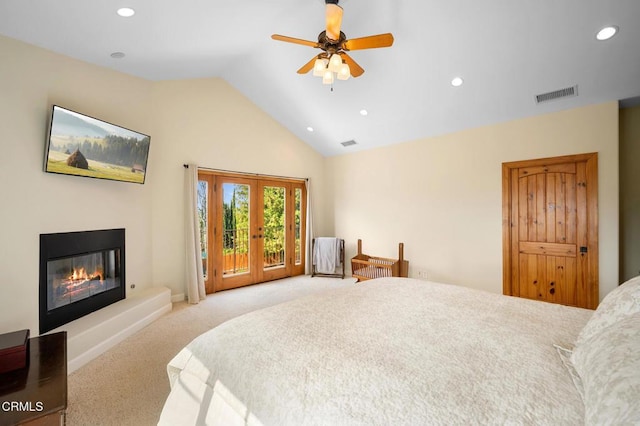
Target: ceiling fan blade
[370, 42]
[356, 70]
[295, 40]
[334, 20]
[308, 66]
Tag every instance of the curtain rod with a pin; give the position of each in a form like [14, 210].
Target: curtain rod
[186, 166]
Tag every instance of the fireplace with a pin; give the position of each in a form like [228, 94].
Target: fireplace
[80, 272]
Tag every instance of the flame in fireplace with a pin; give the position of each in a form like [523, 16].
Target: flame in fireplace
[81, 275]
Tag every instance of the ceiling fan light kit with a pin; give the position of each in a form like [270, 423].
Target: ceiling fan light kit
[344, 73]
[319, 66]
[327, 78]
[334, 62]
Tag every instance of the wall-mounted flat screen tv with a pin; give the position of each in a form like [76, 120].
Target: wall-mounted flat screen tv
[85, 146]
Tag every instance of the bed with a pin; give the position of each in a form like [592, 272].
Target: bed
[405, 352]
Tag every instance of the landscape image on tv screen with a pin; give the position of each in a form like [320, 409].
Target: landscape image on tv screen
[84, 146]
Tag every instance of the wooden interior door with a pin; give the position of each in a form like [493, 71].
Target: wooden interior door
[550, 230]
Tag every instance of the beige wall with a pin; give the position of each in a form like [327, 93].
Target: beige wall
[202, 121]
[209, 123]
[629, 193]
[34, 202]
[442, 196]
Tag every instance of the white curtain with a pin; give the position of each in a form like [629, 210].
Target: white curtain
[194, 277]
[308, 258]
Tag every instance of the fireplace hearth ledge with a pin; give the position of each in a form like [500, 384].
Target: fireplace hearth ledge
[90, 336]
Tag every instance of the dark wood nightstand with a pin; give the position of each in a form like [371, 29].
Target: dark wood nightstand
[37, 394]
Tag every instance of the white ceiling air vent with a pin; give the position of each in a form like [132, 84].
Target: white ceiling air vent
[567, 92]
[348, 143]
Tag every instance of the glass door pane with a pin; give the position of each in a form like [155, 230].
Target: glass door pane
[236, 243]
[203, 215]
[235, 246]
[297, 225]
[272, 230]
[274, 220]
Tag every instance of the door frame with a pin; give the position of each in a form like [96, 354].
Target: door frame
[214, 280]
[590, 216]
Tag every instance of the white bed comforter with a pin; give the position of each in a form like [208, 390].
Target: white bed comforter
[391, 351]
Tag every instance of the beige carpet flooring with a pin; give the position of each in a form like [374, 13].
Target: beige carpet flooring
[128, 384]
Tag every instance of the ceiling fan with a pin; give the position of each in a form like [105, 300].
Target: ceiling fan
[334, 62]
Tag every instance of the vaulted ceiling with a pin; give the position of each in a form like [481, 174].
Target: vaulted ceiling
[506, 52]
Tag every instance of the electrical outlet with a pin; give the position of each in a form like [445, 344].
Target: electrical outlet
[422, 273]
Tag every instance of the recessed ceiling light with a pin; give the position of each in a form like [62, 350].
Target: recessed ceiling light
[606, 33]
[457, 82]
[126, 12]
[364, 112]
[310, 129]
[117, 55]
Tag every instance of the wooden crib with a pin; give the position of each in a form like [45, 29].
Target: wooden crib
[365, 267]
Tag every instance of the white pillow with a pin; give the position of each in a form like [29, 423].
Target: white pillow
[618, 304]
[608, 363]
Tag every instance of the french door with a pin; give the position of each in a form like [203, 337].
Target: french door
[253, 229]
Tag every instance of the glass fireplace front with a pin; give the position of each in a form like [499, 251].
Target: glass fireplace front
[78, 277]
[80, 273]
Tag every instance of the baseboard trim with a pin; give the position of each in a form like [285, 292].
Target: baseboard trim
[90, 336]
[180, 297]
